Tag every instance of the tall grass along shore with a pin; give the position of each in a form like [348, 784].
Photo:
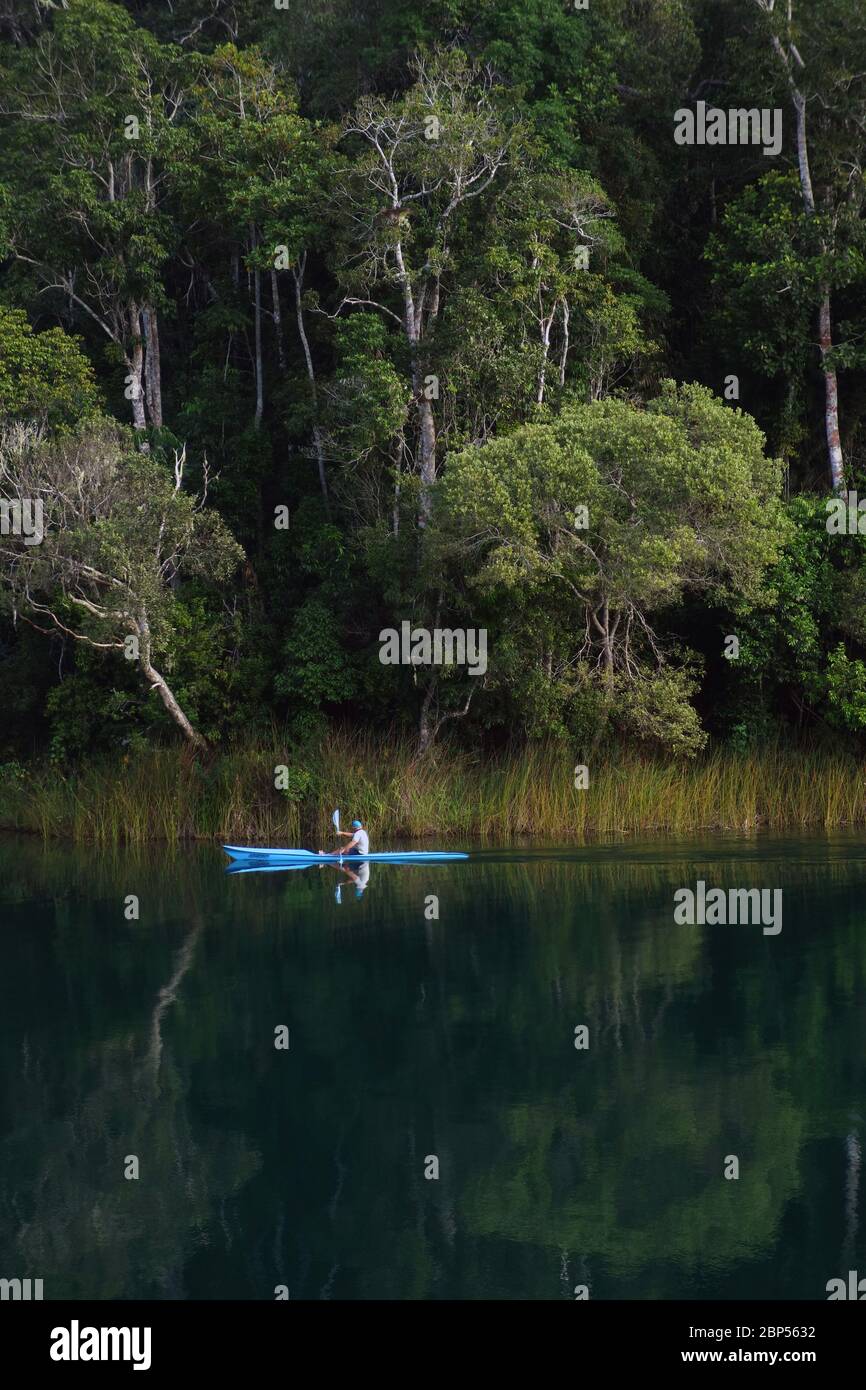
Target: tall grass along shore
[165, 794]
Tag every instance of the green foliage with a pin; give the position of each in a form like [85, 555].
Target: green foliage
[299, 783]
[367, 401]
[846, 688]
[43, 376]
[316, 670]
[799, 656]
[678, 497]
[84, 718]
[767, 263]
[656, 709]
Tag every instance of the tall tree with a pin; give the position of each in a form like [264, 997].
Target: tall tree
[422, 159]
[247, 174]
[119, 530]
[590, 529]
[87, 134]
[811, 53]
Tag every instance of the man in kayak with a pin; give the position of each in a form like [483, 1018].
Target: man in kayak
[359, 841]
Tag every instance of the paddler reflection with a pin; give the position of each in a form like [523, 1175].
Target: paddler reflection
[360, 877]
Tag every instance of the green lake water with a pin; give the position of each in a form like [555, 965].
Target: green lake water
[414, 1038]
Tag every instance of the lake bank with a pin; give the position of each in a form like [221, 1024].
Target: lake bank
[266, 793]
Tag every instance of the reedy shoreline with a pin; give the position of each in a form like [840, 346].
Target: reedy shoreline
[164, 794]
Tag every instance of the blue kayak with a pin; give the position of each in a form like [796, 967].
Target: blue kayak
[250, 854]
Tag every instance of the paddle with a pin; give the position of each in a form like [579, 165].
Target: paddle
[336, 819]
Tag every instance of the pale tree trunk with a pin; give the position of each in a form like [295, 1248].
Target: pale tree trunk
[395, 514]
[546, 327]
[565, 342]
[152, 369]
[150, 330]
[606, 635]
[135, 365]
[428, 457]
[159, 683]
[825, 334]
[825, 330]
[831, 396]
[607, 648]
[278, 320]
[298, 277]
[426, 422]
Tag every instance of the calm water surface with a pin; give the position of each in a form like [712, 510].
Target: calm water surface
[413, 1037]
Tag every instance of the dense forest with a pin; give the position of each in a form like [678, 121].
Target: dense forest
[318, 320]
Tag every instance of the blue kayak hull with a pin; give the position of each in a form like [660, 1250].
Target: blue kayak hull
[250, 854]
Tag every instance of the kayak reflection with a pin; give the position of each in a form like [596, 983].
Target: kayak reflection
[359, 879]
